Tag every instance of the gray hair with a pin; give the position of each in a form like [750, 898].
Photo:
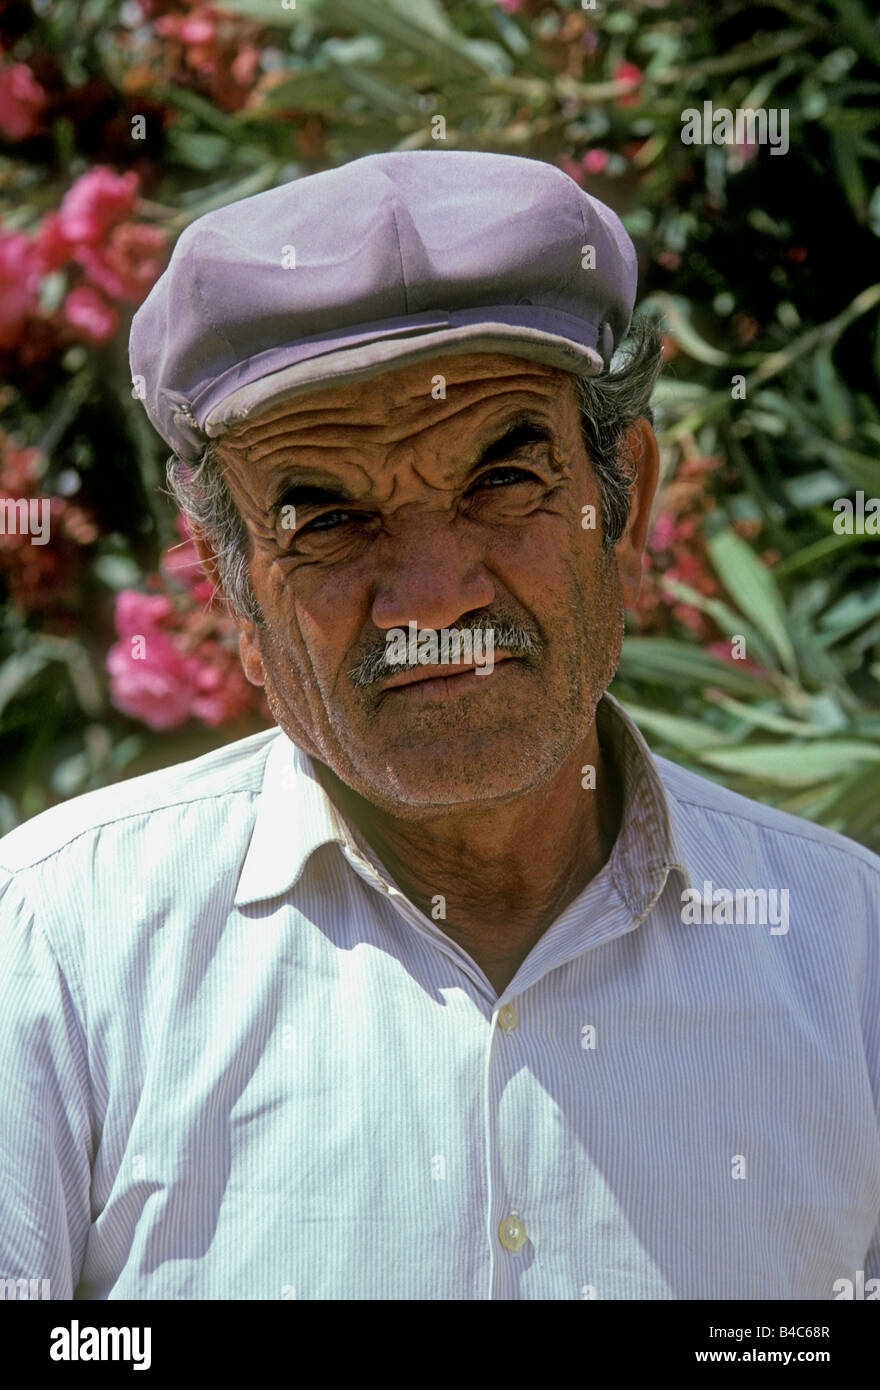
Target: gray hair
[609, 404]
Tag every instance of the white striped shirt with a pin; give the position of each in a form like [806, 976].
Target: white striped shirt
[237, 1063]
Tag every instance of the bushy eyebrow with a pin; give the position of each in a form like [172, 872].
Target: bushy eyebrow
[324, 490]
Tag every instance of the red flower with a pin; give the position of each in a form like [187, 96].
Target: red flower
[21, 101]
[215, 46]
[41, 576]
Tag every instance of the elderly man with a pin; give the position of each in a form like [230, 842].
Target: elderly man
[406, 998]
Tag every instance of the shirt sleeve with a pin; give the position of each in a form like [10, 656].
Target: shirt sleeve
[870, 998]
[45, 1130]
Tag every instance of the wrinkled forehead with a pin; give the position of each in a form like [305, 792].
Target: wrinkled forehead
[459, 388]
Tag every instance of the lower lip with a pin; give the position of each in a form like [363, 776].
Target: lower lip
[445, 687]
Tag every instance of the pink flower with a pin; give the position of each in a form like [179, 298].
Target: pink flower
[224, 691]
[89, 315]
[19, 287]
[156, 687]
[663, 534]
[135, 612]
[150, 679]
[594, 161]
[96, 202]
[156, 678]
[21, 101]
[51, 247]
[245, 64]
[127, 264]
[628, 72]
[511, 6]
[194, 28]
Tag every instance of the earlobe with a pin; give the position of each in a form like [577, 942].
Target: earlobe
[249, 650]
[642, 443]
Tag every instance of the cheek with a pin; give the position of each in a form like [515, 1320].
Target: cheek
[316, 612]
[545, 558]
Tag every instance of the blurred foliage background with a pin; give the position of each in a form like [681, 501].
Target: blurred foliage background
[121, 123]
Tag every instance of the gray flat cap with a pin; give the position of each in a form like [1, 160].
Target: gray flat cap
[360, 269]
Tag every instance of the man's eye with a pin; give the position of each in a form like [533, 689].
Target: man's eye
[501, 477]
[326, 522]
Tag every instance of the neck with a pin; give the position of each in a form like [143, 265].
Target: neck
[507, 870]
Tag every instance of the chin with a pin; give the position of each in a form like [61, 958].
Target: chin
[443, 773]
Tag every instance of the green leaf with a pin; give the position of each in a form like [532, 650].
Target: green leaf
[665, 662]
[857, 803]
[851, 612]
[793, 765]
[117, 571]
[678, 313]
[752, 586]
[722, 615]
[322, 91]
[849, 172]
[760, 718]
[18, 670]
[857, 25]
[857, 468]
[812, 489]
[833, 395]
[688, 734]
[198, 149]
[418, 26]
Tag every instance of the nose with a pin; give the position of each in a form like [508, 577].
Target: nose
[429, 572]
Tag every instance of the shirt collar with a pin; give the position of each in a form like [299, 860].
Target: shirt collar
[648, 845]
[295, 816]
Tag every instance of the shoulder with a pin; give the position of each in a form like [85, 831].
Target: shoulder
[197, 786]
[710, 811]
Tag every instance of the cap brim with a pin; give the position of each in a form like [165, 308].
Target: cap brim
[371, 358]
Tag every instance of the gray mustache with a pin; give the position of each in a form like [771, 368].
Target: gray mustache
[506, 636]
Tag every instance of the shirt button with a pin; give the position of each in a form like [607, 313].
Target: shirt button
[508, 1017]
[512, 1233]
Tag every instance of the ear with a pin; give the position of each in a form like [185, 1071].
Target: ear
[641, 442]
[248, 643]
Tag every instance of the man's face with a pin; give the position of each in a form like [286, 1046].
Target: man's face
[441, 513]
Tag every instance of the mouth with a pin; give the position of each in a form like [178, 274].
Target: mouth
[438, 682]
